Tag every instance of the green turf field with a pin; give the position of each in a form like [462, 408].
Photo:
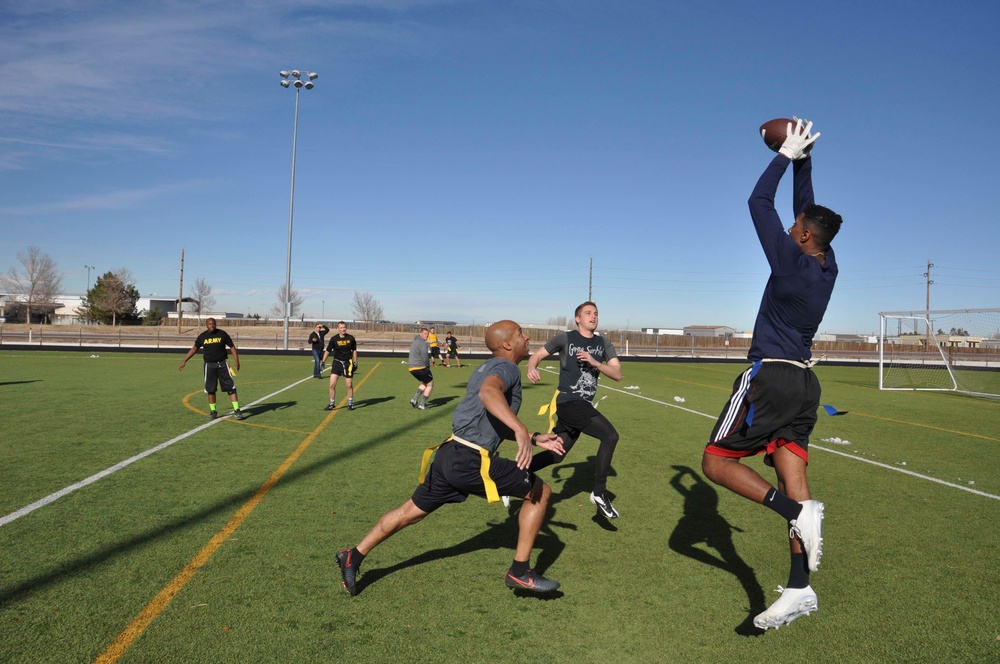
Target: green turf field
[219, 547]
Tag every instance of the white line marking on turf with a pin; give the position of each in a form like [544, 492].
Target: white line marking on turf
[52, 497]
[812, 446]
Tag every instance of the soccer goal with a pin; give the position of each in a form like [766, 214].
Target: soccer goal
[956, 349]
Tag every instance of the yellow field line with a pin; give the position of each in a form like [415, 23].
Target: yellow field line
[926, 426]
[149, 613]
[187, 402]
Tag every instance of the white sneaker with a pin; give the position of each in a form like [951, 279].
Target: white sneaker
[808, 528]
[793, 603]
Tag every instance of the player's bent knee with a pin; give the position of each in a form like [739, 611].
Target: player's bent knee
[712, 466]
[539, 492]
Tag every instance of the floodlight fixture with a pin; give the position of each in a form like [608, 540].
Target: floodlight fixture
[293, 78]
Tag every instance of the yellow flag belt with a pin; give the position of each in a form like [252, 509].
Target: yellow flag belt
[492, 495]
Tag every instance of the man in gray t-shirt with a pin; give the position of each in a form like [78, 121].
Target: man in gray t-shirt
[583, 356]
[419, 369]
[466, 464]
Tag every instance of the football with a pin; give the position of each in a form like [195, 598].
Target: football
[773, 132]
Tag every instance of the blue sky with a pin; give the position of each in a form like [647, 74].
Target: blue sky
[465, 160]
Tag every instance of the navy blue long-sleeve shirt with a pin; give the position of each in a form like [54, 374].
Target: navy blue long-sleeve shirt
[799, 288]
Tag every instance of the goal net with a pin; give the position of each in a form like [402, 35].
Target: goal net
[957, 349]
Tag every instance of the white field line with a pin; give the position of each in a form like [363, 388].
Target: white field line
[811, 445]
[52, 497]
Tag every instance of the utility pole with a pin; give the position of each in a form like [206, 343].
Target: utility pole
[590, 283]
[180, 295]
[927, 310]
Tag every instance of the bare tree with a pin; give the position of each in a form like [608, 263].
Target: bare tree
[558, 320]
[202, 292]
[366, 308]
[36, 283]
[296, 300]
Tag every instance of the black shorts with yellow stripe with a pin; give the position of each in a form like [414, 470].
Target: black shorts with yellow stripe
[343, 368]
[455, 474]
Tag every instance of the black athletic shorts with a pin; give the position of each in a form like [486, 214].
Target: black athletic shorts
[574, 416]
[435, 351]
[343, 368]
[217, 374]
[773, 405]
[454, 475]
[423, 375]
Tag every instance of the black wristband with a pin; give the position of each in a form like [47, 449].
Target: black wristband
[534, 438]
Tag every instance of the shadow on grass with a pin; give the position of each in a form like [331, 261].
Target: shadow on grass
[262, 408]
[702, 524]
[437, 402]
[367, 403]
[20, 382]
[496, 536]
[90, 561]
[572, 479]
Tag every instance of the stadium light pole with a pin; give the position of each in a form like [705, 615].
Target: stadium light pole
[293, 79]
[88, 268]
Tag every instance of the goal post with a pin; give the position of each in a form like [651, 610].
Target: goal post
[951, 349]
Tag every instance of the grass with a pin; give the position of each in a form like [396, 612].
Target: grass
[910, 568]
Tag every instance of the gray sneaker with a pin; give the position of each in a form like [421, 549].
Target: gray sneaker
[532, 581]
[348, 571]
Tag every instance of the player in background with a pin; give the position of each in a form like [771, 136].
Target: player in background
[344, 349]
[583, 356]
[435, 350]
[215, 342]
[418, 368]
[467, 464]
[451, 342]
[316, 341]
[772, 409]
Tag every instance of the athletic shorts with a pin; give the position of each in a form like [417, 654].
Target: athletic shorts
[773, 405]
[343, 368]
[574, 416]
[217, 374]
[435, 351]
[453, 354]
[423, 374]
[455, 474]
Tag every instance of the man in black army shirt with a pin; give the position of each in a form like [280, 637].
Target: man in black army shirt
[215, 342]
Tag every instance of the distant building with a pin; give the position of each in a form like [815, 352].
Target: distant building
[721, 331]
[663, 330]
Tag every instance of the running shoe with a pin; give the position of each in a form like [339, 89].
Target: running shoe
[532, 581]
[793, 603]
[808, 528]
[603, 503]
[348, 571]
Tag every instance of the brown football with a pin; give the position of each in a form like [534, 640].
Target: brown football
[773, 132]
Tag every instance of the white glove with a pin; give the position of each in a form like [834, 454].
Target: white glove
[798, 140]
